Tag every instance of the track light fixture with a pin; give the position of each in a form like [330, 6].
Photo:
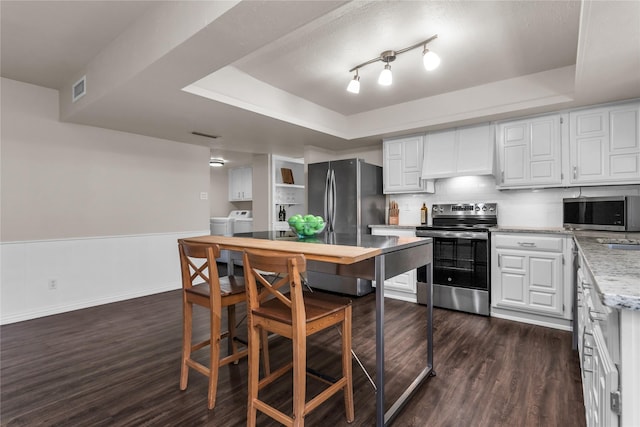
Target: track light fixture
[430, 60]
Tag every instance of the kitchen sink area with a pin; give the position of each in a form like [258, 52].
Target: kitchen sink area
[623, 244]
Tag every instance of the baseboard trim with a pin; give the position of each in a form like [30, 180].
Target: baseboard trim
[537, 322]
[59, 309]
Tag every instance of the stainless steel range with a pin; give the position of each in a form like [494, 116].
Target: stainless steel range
[461, 256]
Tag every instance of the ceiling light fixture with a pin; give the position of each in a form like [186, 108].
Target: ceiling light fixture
[216, 163]
[430, 60]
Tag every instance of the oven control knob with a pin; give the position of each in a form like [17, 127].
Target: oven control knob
[477, 208]
[492, 209]
[484, 208]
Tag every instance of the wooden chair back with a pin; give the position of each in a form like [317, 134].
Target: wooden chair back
[269, 274]
[198, 261]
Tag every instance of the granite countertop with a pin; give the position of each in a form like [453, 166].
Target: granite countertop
[538, 230]
[616, 271]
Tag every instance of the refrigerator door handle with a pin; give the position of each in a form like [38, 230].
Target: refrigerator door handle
[326, 195]
[333, 200]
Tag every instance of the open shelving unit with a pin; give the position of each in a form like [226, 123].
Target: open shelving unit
[289, 196]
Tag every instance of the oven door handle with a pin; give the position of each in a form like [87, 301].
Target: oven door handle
[453, 234]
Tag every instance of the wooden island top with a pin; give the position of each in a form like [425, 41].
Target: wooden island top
[334, 248]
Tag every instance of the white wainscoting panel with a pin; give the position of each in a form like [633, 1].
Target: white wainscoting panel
[87, 271]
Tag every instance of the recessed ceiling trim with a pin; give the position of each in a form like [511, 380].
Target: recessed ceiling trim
[231, 86]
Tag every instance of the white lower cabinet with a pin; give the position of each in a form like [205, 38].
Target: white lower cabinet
[598, 341]
[402, 286]
[528, 277]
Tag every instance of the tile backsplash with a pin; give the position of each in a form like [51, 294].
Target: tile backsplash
[518, 208]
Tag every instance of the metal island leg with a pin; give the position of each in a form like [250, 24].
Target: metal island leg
[381, 272]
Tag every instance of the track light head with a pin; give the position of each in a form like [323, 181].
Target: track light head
[354, 85]
[385, 78]
[430, 59]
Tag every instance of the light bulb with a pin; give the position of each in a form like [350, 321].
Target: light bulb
[354, 85]
[386, 78]
[430, 60]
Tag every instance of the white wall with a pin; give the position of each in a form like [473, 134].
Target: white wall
[97, 210]
[517, 208]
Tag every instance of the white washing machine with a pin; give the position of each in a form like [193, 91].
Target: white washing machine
[226, 225]
[243, 225]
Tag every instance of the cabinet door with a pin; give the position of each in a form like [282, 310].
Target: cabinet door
[235, 185]
[412, 154]
[530, 152]
[624, 144]
[247, 183]
[440, 154]
[402, 171]
[605, 145]
[393, 176]
[530, 281]
[474, 151]
[512, 278]
[544, 154]
[604, 381]
[588, 145]
[545, 283]
[240, 184]
[514, 142]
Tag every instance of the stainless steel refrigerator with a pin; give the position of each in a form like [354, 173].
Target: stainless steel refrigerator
[348, 195]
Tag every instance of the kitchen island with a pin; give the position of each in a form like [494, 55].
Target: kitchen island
[607, 326]
[355, 255]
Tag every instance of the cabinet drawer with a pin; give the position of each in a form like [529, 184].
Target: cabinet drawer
[529, 242]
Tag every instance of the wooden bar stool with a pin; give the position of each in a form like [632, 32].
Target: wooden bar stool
[202, 286]
[295, 316]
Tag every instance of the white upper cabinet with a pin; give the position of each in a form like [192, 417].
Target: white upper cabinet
[604, 145]
[440, 154]
[459, 152]
[475, 150]
[402, 171]
[240, 184]
[529, 152]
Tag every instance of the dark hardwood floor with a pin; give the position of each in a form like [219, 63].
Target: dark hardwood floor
[118, 364]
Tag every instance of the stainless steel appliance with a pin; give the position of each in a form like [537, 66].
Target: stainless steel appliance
[615, 213]
[461, 256]
[348, 194]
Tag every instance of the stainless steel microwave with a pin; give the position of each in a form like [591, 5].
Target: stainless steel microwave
[616, 213]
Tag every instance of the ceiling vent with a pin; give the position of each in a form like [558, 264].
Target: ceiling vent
[79, 89]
